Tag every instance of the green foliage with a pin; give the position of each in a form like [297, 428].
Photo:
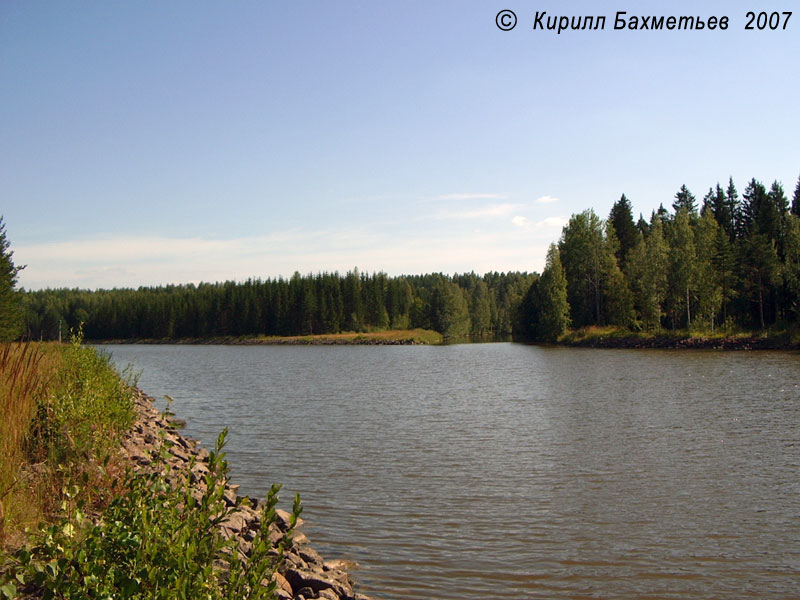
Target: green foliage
[11, 315]
[546, 303]
[581, 250]
[449, 310]
[88, 410]
[64, 410]
[791, 269]
[325, 303]
[617, 300]
[682, 269]
[648, 276]
[621, 218]
[685, 200]
[708, 283]
[677, 271]
[157, 540]
[480, 309]
[735, 265]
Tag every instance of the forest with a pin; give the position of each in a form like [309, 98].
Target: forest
[728, 262]
[312, 304]
[733, 262]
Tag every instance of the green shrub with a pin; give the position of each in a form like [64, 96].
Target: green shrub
[157, 540]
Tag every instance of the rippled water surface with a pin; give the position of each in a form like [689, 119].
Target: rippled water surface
[510, 471]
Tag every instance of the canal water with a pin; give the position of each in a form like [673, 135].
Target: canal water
[509, 471]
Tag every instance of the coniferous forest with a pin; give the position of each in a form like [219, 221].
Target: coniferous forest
[730, 261]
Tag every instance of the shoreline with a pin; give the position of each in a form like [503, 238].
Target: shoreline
[305, 575]
[623, 340]
[576, 339]
[404, 337]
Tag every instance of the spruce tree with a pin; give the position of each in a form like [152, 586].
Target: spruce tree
[735, 208]
[796, 200]
[723, 211]
[621, 217]
[11, 318]
[685, 199]
[754, 196]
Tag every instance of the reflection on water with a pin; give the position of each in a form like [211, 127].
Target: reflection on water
[510, 471]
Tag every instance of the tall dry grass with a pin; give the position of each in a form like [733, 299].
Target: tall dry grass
[63, 409]
[26, 369]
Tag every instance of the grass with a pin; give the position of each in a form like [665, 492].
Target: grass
[24, 373]
[392, 336]
[614, 336]
[79, 524]
[63, 410]
[158, 540]
[417, 336]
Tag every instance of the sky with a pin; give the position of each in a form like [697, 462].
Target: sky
[147, 143]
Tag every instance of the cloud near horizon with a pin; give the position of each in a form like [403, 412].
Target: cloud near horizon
[133, 261]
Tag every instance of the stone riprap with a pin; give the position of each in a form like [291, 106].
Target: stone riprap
[305, 575]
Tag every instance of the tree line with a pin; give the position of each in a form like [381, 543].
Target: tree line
[733, 262]
[730, 261]
[320, 303]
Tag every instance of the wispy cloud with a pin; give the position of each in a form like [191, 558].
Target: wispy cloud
[547, 223]
[519, 221]
[547, 200]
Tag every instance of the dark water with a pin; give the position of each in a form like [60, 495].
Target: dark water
[509, 471]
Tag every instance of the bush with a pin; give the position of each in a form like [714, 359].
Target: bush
[157, 540]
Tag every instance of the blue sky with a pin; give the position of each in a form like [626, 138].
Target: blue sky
[147, 143]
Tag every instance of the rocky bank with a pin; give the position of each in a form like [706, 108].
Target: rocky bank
[305, 574]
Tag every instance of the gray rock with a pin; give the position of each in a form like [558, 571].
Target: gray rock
[314, 580]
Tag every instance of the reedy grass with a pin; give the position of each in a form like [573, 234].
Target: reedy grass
[26, 371]
[63, 410]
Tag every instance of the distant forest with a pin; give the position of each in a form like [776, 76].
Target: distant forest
[305, 304]
[728, 261]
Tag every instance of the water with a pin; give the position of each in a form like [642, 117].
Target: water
[511, 471]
